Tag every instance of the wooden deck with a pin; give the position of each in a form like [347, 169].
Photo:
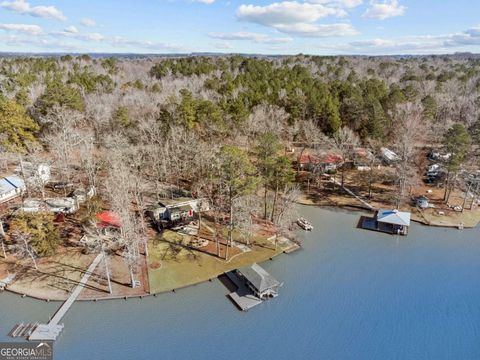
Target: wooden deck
[369, 223]
[243, 297]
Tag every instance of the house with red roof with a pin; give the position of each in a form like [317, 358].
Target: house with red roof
[322, 162]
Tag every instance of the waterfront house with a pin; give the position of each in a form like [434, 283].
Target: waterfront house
[319, 163]
[261, 283]
[172, 212]
[308, 162]
[362, 158]
[65, 205]
[10, 188]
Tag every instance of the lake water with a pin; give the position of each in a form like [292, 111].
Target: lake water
[349, 294]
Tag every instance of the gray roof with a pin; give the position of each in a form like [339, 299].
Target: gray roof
[394, 217]
[258, 277]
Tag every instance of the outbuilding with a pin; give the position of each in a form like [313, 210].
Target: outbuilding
[396, 221]
[261, 283]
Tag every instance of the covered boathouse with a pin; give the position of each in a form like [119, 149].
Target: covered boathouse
[393, 222]
[261, 283]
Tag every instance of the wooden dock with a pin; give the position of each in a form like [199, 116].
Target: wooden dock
[368, 223]
[243, 297]
[51, 330]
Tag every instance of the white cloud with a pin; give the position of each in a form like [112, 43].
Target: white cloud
[71, 29]
[347, 4]
[384, 10]
[208, 2]
[224, 45]
[88, 22]
[287, 12]
[427, 44]
[299, 19]
[22, 28]
[318, 30]
[249, 36]
[23, 7]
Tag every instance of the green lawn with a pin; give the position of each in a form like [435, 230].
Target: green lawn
[181, 267]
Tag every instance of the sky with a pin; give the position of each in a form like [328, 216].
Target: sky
[319, 27]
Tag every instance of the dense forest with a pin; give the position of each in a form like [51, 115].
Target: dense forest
[218, 125]
[231, 97]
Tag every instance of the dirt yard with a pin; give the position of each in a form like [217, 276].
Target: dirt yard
[324, 192]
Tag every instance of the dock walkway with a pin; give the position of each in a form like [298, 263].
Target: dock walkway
[51, 330]
[354, 195]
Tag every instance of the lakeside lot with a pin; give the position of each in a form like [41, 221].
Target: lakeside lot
[325, 193]
[172, 263]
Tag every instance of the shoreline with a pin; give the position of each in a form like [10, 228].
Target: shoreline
[415, 218]
[126, 297]
[348, 207]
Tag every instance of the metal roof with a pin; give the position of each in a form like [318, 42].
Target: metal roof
[394, 217]
[10, 183]
[6, 187]
[258, 277]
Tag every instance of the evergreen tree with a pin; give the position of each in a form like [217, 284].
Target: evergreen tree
[16, 127]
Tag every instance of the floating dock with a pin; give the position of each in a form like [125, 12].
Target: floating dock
[253, 285]
[392, 222]
[243, 297]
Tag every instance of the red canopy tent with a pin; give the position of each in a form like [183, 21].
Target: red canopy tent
[108, 219]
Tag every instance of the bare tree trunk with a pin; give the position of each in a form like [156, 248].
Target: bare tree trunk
[230, 230]
[3, 249]
[146, 248]
[30, 252]
[466, 196]
[132, 278]
[451, 187]
[2, 236]
[299, 160]
[107, 272]
[265, 202]
[447, 183]
[275, 196]
[370, 180]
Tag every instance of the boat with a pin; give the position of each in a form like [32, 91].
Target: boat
[304, 224]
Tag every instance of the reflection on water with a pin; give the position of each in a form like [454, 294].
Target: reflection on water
[349, 294]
